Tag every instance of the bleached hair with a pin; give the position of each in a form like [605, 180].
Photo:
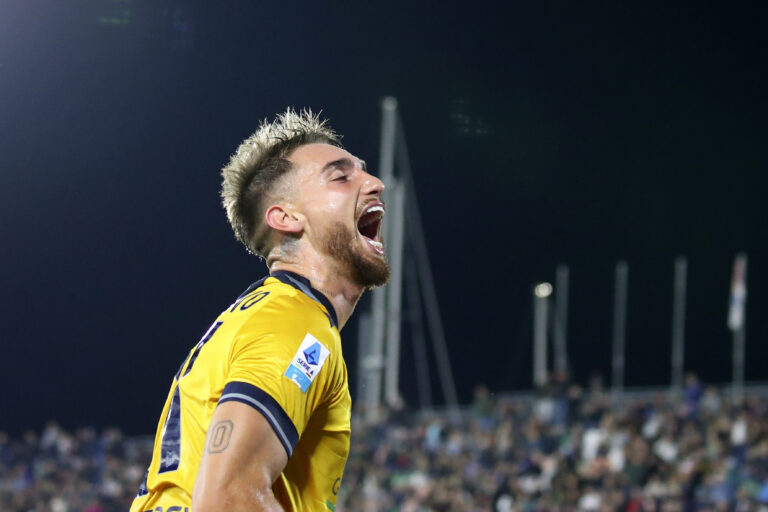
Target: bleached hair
[258, 164]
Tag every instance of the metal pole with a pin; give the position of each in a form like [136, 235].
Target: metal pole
[561, 319]
[678, 323]
[379, 299]
[619, 326]
[737, 322]
[739, 345]
[431, 305]
[540, 306]
[394, 292]
[417, 336]
[363, 333]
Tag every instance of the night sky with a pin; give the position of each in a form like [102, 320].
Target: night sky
[539, 134]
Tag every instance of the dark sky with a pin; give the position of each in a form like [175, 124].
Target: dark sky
[542, 133]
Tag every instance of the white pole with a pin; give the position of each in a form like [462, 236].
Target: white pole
[737, 322]
[540, 306]
[395, 291]
[619, 326]
[561, 319]
[379, 299]
[431, 305]
[388, 138]
[739, 345]
[363, 333]
[678, 323]
[417, 336]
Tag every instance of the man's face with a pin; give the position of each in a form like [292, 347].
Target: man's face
[343, 209]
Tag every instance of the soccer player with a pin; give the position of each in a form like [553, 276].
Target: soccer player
[258, 415]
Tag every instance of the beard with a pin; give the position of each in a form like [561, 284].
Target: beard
[366, 270]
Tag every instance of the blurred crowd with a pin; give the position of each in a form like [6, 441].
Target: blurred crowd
[564, 449]
[567, 450]
[59, 471]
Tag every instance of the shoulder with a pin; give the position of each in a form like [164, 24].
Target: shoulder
[288, 308]
[277, 311]
[271, 297]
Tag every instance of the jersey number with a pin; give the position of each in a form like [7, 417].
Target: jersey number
[170, 440]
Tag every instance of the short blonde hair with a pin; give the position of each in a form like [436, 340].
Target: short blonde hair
[258, 164]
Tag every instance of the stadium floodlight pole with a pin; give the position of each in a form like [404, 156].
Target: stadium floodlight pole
[678, 323]
[396, 211]
[431, 305]
[541, 293]
[363, 331]
[374, 363]
[561, 319]
[737, 322]
[619, 327]
[417, 336]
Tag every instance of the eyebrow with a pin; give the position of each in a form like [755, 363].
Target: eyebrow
[343, 163]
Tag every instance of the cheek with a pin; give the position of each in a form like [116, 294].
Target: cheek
[332, 204]
[330, 207]
[325, 216]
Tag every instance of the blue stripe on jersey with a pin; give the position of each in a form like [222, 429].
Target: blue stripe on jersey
[143, 487]
[170, 449]
[266, 405]
[302, 283]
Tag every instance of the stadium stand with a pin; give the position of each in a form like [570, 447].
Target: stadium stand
[59, 471]
[561, 449]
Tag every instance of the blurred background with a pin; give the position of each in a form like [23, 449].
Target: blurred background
[539, 134]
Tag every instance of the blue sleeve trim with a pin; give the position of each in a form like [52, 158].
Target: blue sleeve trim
[267, 406]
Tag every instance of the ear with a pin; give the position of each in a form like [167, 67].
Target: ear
[283, 219]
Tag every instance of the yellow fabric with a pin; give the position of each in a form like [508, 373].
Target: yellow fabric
[254, 341]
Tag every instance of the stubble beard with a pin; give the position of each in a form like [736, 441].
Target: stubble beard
[367, 271]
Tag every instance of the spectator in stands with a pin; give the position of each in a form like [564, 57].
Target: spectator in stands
[502, 454]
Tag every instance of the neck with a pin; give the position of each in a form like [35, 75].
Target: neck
[340, 290]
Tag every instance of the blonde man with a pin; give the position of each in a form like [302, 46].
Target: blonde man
[258, 416]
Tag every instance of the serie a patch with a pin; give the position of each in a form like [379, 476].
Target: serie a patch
[307, 362]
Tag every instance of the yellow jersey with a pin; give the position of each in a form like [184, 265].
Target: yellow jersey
[277, 349]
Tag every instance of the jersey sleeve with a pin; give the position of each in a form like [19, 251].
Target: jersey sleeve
[280, 366]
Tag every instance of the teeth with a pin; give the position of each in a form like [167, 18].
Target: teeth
[376, 244]
[375, 209]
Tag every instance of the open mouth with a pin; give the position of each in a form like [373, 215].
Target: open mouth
[369, 224]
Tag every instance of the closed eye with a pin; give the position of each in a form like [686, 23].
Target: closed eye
[339, 176]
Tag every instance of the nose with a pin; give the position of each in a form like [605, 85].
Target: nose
[372, 185]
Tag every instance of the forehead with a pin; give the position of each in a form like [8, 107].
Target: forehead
[313, 157]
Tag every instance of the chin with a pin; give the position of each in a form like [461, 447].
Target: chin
[372, 274]
[365, 269]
